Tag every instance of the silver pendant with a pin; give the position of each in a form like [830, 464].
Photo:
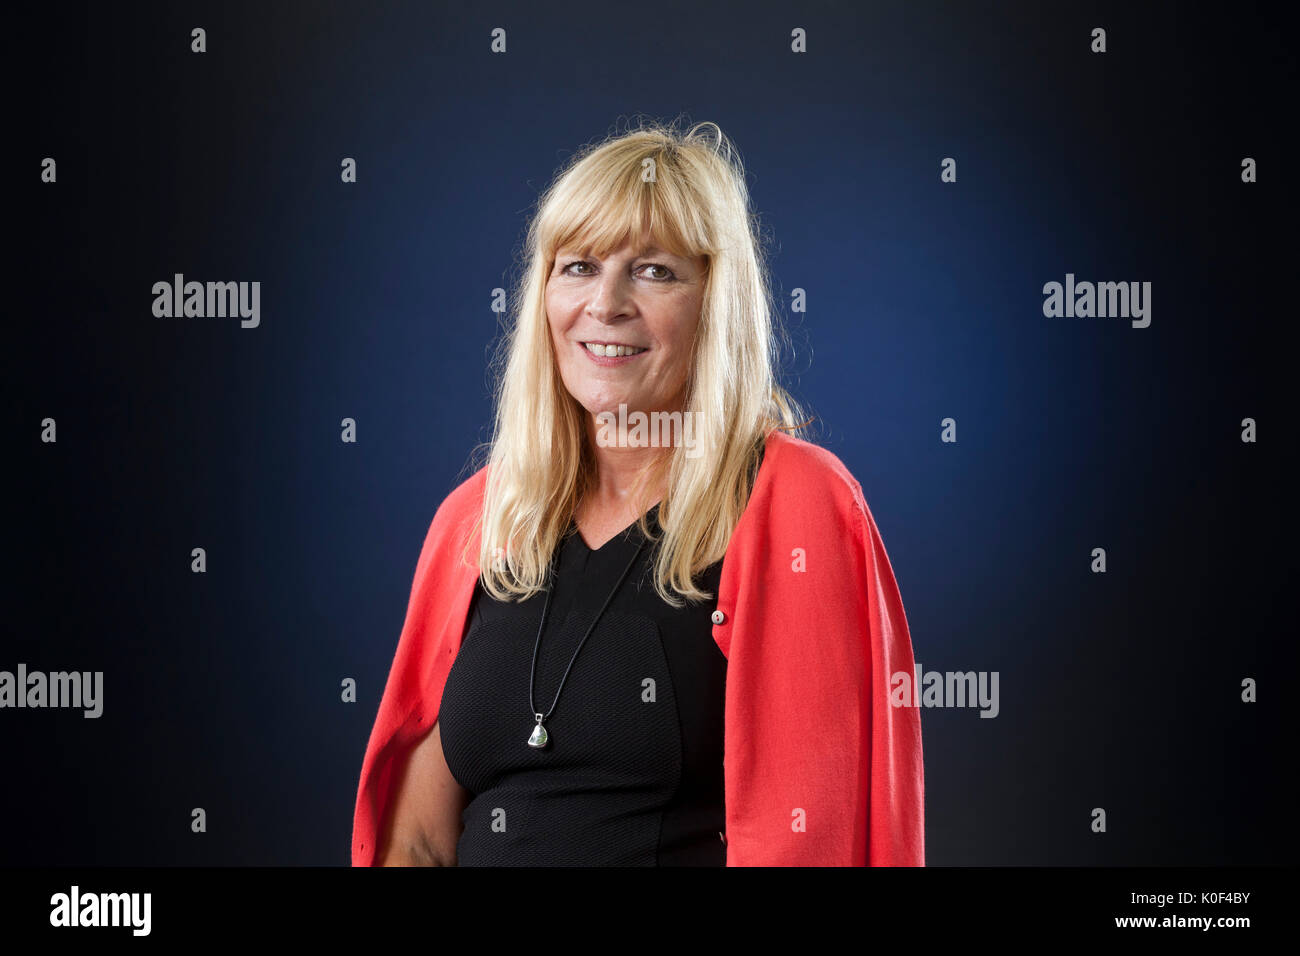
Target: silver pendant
[539, 736]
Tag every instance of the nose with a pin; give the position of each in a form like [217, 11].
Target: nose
[609, 297]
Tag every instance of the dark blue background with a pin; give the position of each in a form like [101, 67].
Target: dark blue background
[924, 301]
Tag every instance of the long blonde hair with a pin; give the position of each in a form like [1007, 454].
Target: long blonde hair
[539, 460]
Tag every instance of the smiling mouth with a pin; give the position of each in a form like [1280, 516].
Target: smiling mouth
[610, 350]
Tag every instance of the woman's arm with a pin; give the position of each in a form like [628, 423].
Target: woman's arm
[424, 825]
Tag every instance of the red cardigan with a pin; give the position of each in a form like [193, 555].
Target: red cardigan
[819, 769]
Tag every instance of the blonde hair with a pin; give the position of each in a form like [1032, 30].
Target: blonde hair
[539, 460]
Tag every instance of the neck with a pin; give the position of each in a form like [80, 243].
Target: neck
[618, 475]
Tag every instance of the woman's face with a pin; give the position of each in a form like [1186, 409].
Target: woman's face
[637, 297]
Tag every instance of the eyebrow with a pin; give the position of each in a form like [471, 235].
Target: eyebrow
[648, 251]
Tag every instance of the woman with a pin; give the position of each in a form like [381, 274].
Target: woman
[621, 650]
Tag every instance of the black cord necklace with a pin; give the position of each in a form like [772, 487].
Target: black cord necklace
[539, 735]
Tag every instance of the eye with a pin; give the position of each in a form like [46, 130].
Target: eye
[655, 265]
[667, 275]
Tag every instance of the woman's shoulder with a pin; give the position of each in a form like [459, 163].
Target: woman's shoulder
[457, 512]
[794, 474]
[797, 468]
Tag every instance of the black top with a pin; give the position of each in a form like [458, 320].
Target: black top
[632, 773]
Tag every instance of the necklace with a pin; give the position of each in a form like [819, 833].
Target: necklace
[540, 736]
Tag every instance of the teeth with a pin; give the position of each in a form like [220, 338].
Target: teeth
[609, 351]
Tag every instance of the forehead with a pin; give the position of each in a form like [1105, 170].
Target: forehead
[644, 249]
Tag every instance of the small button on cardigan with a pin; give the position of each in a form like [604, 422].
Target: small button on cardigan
[819, 768]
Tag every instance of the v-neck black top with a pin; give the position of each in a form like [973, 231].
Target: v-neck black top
[632, 772]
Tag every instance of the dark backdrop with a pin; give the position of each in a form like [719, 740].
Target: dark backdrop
[222, 690]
